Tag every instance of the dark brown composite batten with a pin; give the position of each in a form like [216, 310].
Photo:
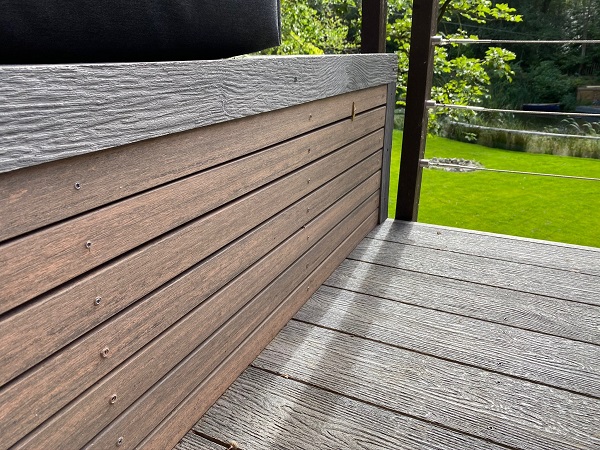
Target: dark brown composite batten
[139, 420]
[35, 263]
[560, 284]
[313, 419]
[557, 362]
[40, 195]
[89, 413]
[517, 309]
[32, 398]
[168, 432]
[152, 254]
[505, 410]
[28, 336]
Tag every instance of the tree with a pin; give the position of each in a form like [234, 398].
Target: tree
[461, 77]
[316, 27]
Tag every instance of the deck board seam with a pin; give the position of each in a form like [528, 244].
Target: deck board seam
[226, 445]
[441, 358]
[462, 315]
[491, 258]
[382, 407]
[196, 173]
[473, 282]
[506, 237]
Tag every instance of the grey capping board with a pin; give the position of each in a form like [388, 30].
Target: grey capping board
[50, 112]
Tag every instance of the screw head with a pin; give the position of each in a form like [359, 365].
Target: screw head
[113, 399]
[88, 244]
[105, 351]
[78, 185]
[97, 301]
[120, 441]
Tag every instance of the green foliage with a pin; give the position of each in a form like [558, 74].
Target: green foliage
[555, 209]
[315, 27]
[320, 26]
[459, 77]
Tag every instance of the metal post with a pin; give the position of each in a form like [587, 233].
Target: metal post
[420, 74]
[374, 21]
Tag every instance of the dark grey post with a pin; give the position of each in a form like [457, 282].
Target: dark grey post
[420, 74]
[387, 152]
[373, 32]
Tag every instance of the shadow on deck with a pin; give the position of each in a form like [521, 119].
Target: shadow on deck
[429, 337]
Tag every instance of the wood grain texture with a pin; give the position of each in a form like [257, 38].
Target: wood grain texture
[185, 415]
[527, 311]
[90, 413]
[35, 263]
[555, 283]
[53, 112]
[526, 251]
[43, 194]
[31, 399]
[387, 151]
[502, 409]
[554, 361]
[40, 329]
[192, 441]
[264, 411]
[139, 420]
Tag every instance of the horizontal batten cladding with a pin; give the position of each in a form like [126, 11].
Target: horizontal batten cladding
[131, 301]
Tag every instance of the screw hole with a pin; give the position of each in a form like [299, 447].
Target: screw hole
[113, 399]
[78, 185]
[88, 244]
[120, 441]
[98, 301]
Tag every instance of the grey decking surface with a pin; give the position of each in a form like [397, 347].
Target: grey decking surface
[429, 338]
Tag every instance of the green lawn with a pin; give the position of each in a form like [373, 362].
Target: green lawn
[555, 209]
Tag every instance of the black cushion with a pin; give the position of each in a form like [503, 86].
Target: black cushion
[75, 31]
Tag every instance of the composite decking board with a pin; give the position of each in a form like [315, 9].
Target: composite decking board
[264, 411]
[184, 416]
[28, 336]
[491, 406]
[527, 311]
[192, 441]
[557, 362]
[156, 404]
[538, 253]
[35, 263]
[555, 283]
[39, 393]
[87, 415]
[40, 195]
[53, 112]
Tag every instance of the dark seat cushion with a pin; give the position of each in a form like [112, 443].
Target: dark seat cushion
[76, 31]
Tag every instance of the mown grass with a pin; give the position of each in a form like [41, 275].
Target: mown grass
[563, 210]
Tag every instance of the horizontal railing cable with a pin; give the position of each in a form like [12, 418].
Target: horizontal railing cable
[527, 132]
[515, 111]
[426, 163]
[441, 41]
